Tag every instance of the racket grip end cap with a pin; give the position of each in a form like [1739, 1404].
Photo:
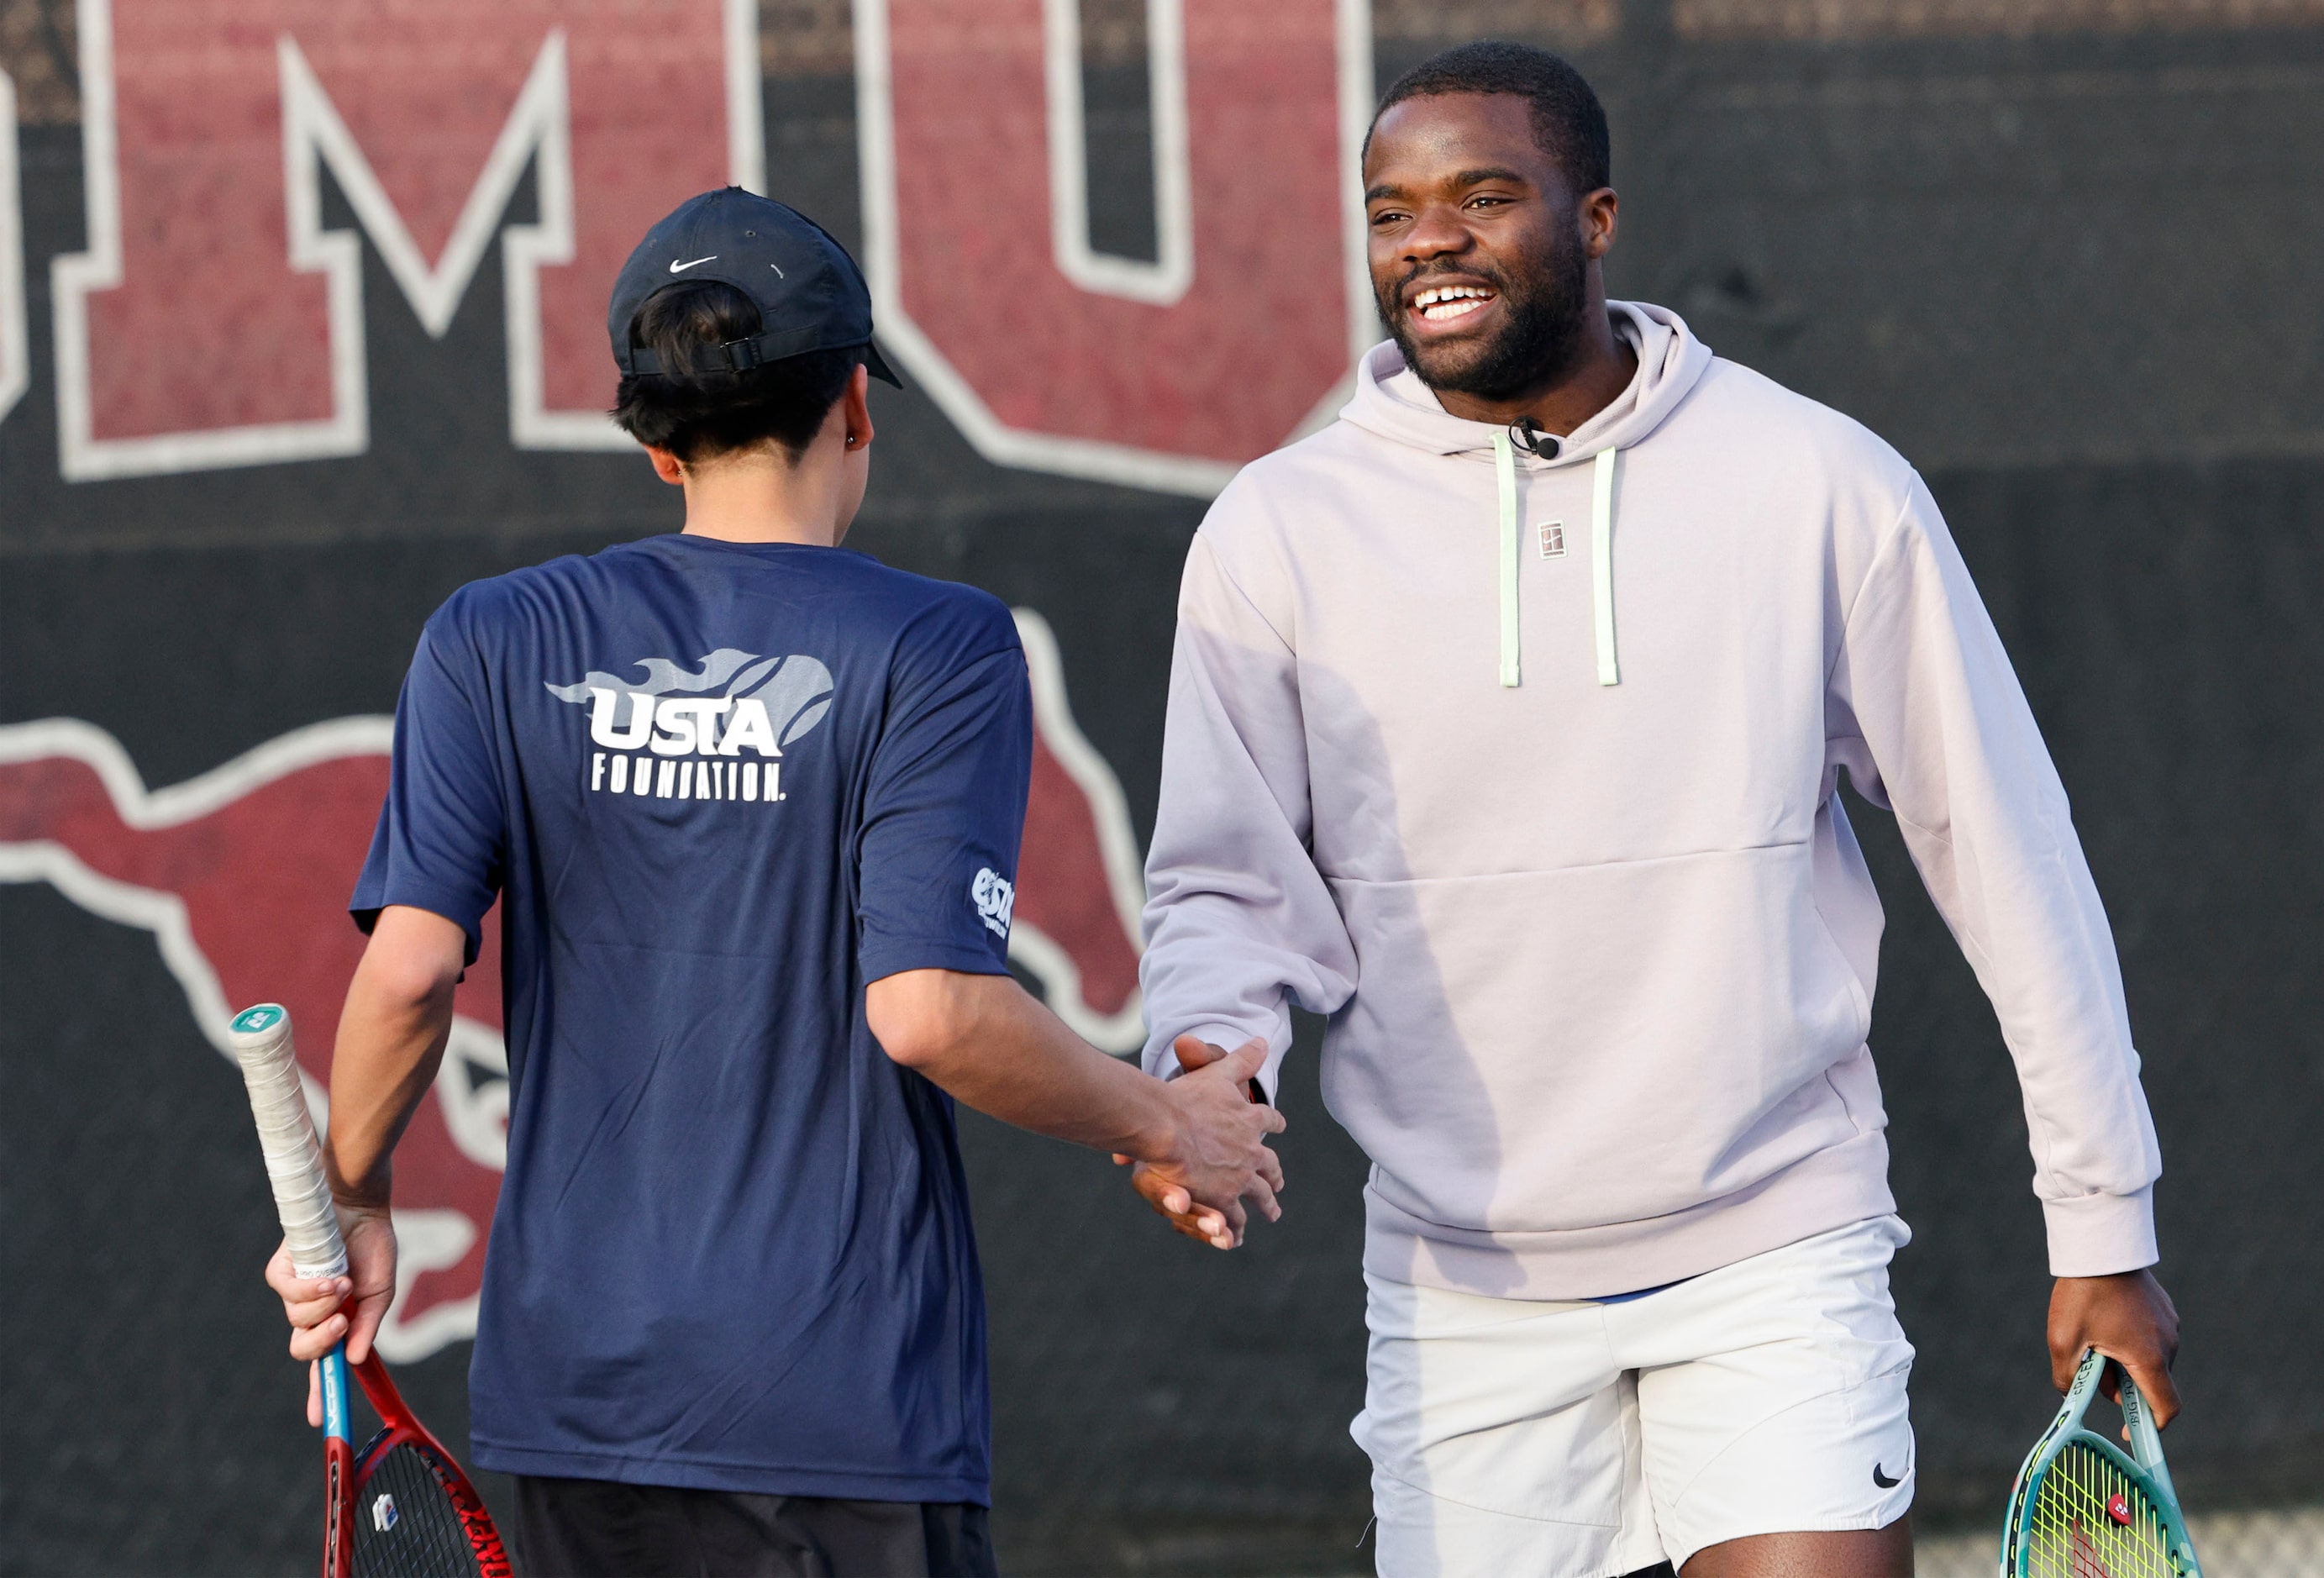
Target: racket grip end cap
[260, 1028]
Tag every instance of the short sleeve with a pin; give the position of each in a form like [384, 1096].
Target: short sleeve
[944, 815]
[441, 841]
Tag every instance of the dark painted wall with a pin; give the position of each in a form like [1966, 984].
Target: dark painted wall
[2072, 276]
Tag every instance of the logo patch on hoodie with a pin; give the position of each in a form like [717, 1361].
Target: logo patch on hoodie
[1553, 538]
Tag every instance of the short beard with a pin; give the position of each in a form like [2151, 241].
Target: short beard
[1540, 339]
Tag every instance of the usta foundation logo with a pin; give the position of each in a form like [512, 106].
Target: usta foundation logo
[713, 733]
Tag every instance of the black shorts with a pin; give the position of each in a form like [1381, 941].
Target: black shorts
[597, 1529]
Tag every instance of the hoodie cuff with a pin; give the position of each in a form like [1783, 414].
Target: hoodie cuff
[2099, 1235]
[1227, 1037]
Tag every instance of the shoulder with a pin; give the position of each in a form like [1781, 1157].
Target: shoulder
[1788, 431]
[930, 613]
[1260, 490]
[932, 635]
[483, 609]
[1817, 469]
[1248, 527]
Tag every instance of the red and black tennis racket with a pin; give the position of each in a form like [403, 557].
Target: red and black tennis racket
[400, 1507]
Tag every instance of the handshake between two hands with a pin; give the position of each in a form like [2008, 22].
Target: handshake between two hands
[1219, 1161]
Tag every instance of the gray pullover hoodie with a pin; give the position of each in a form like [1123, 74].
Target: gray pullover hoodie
[1523, 771]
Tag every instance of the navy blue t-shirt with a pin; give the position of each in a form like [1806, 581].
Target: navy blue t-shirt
[720, 787]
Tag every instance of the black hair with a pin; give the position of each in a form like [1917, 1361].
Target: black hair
[699, 408]
[1569, 123]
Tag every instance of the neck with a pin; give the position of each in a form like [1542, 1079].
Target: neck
[1602, 367]
[757, 496]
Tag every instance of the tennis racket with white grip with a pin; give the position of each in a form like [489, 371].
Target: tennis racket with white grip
[399, 1507]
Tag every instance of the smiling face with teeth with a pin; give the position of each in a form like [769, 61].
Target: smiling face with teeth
[1484, 260]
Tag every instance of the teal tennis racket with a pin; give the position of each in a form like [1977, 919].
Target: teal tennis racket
[2083, 1507]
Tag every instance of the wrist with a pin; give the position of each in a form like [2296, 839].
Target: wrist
[365, 1195]
[1162, 1136]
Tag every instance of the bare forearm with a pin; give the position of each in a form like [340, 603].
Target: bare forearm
[392, 1036]
[1002, 1052]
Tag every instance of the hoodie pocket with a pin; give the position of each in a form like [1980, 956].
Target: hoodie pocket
[1544, 1050]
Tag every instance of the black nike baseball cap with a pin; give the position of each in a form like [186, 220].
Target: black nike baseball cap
[810, 295]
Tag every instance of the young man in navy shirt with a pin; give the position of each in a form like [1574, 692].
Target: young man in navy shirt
[751, 805]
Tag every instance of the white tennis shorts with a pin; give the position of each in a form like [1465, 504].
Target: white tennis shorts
[1518, 1438]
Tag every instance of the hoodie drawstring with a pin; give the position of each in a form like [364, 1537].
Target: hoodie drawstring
[1602, 564]
[1601, 560]
[1505, 466]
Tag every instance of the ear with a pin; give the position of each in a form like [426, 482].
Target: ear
[1598, 212]
[855, 408]
[667, 466]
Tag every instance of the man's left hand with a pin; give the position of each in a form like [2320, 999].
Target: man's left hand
[2128, 1318]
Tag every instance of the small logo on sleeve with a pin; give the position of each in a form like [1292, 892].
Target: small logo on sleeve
[994, 896]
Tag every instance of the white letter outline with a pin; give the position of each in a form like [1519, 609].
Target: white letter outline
[16, 342]
[537, 130]
[1065, 454]
[1164, 279]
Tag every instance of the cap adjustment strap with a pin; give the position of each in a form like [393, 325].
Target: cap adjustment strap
[740, 355]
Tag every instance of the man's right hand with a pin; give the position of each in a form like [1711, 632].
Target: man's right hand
[1222, 1160]
[2128, 1318]
[325, 1311]
[391, 1043]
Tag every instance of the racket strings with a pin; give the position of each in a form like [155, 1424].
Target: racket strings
[415, 1532]
[2074, 1533]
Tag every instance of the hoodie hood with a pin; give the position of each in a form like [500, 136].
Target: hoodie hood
[1391, 401]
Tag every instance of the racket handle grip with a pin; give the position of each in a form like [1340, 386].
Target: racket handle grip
[2145, 1440]
[261, 1038]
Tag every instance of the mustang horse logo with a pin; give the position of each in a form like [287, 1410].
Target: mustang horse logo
[243, 875]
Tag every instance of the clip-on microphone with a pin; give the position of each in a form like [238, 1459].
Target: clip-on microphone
[1526, 435]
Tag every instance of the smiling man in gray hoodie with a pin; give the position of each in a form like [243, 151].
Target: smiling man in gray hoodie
[1506, 723]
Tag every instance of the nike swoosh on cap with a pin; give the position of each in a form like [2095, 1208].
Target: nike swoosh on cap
[679, 268]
